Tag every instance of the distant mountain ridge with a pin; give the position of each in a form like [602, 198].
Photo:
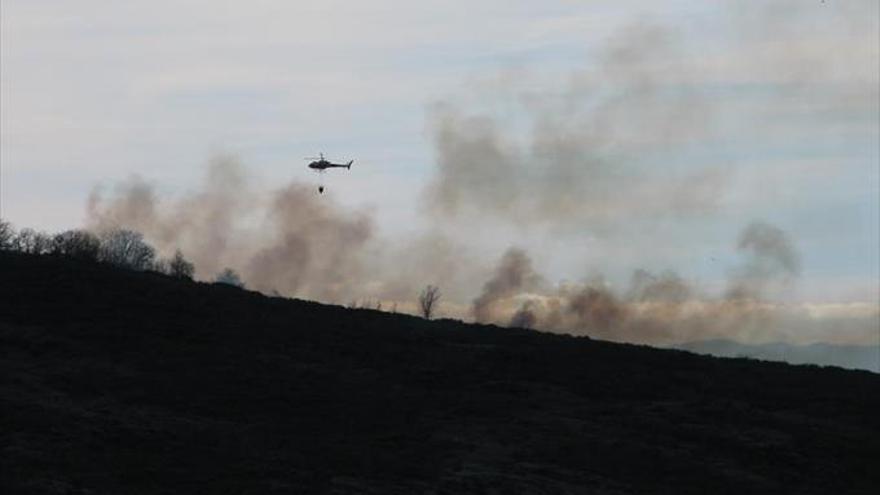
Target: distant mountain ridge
[865, 357]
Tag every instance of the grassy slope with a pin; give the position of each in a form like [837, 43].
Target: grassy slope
[123, 382]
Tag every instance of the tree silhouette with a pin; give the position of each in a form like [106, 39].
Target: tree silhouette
[31, 242]
[7, 233]
[80, 244]
[127, 249]
[428, 300]
[179, 267]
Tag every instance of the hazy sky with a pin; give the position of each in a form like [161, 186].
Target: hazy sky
[719, 114]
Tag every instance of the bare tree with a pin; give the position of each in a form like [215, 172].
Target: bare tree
[179, 267]
[428, 300]
[7, 233]
[80, 244]
[127, 249]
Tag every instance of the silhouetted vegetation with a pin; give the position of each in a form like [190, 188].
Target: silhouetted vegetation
[122, 381]
[126, 249]
[30, 241]
[428, 300]
[179, 267]
[7, 232]
[229, 277]
[79, 244]
[123, 248]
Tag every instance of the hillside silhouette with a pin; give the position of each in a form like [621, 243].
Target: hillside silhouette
[116, 381]
[865, 357]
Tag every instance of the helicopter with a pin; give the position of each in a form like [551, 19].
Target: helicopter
[320, 165]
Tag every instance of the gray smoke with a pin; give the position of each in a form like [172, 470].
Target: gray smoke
[656, 308]
[605, 153]
[297, 243]
[607, 144]
[525, 316]
[287, 240]
[579, 158]
[513, 275]
[316, 248]
[205, 224]
[596, 309]
[772, 260]
[666, 287]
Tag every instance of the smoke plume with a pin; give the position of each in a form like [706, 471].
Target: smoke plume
[664, 308]
[579, 160]
[291, 241]
[513, 275]
[772, 260]
[287, 240]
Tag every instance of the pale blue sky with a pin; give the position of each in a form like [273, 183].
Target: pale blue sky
[93, 92]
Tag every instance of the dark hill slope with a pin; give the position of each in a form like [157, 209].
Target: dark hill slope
[125, 382]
